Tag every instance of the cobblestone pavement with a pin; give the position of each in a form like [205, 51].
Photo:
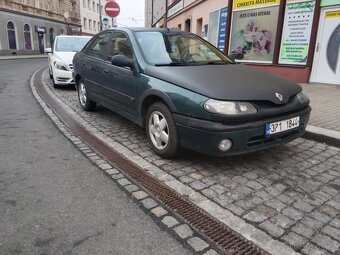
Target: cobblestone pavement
[292, 193]
[325, 101]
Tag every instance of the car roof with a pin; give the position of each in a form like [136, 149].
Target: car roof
[148, 29]
[84, 36]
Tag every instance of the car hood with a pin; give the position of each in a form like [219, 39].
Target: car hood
[228, 82]
[65, 57]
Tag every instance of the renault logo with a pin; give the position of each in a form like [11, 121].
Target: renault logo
[279, 96]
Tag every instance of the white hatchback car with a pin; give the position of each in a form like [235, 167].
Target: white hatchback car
[60, 58]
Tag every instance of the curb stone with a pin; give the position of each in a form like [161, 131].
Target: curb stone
[323, 135]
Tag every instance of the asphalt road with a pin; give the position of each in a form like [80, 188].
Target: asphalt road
[52, 199]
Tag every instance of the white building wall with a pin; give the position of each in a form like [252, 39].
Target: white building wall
[89, 15]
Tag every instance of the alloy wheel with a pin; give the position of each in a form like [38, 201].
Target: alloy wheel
[82, 94]
[158, 130]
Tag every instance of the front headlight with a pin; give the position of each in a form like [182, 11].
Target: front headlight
[60, 65]
[229, 107]
[302, 98]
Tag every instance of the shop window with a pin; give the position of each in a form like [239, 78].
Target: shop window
[12, 42]
[187, 26]
[205, 32]
[27, 37]
[213, 27]
[253, 30]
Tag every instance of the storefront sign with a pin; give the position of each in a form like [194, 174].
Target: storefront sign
[296, 32]
[329, 2]
[335, 14]
[249, 4]
[222, 29]
[176, 8]
[40, 29]
[253, 31]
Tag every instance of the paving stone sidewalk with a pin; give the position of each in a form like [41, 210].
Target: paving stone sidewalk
[291, 193]
[9, 57]
[325, 101]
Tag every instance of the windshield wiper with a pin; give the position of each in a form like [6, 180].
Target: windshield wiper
[219, 62]
[174, 64]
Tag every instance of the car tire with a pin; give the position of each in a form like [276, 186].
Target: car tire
[85, 102]
[50, 71]
[54, 84]
[161, 130]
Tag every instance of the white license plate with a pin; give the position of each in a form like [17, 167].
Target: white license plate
[280, 126]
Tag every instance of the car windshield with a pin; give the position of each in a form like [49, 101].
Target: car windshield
[174, 48]
[70, 44]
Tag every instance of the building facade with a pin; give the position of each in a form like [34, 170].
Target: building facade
[297, 39]
[90, 17]
[30, 26]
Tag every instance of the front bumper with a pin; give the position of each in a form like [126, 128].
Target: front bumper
[62, 77]
[204, 136]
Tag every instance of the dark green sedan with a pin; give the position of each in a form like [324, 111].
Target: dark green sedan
[187, 94]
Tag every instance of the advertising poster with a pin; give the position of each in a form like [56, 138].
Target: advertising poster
[253, 32]
[222, 29]
[329, 2]
[296, 33]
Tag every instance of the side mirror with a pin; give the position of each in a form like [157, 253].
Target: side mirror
[48, 50]
[122, 61]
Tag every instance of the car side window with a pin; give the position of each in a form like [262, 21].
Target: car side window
[120, 45]
[98, 46]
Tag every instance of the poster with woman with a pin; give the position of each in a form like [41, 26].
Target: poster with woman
[253, 31]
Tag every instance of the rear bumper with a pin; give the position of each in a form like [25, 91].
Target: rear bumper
[204, 136]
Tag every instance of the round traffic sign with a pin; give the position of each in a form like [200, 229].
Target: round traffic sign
[112, 9]
[105, 21]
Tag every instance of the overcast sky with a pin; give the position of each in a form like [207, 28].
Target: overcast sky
[131, 13]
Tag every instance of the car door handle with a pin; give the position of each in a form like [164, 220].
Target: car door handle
[107, 72]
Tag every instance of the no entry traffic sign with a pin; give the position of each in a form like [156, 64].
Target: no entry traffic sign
[112, 9]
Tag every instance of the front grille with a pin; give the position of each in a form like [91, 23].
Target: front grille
[62, 79]
[269, 104]
[262, 140]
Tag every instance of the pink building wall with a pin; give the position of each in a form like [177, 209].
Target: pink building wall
[198, 10]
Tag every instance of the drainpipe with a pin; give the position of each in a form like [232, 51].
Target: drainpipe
[151, 13]
[100, 16]
[166, 14]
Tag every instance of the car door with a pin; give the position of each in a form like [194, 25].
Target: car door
[120, 82]
[92, 65]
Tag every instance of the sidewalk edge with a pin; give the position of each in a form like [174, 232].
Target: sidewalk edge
[23, 57]
[323, 135]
